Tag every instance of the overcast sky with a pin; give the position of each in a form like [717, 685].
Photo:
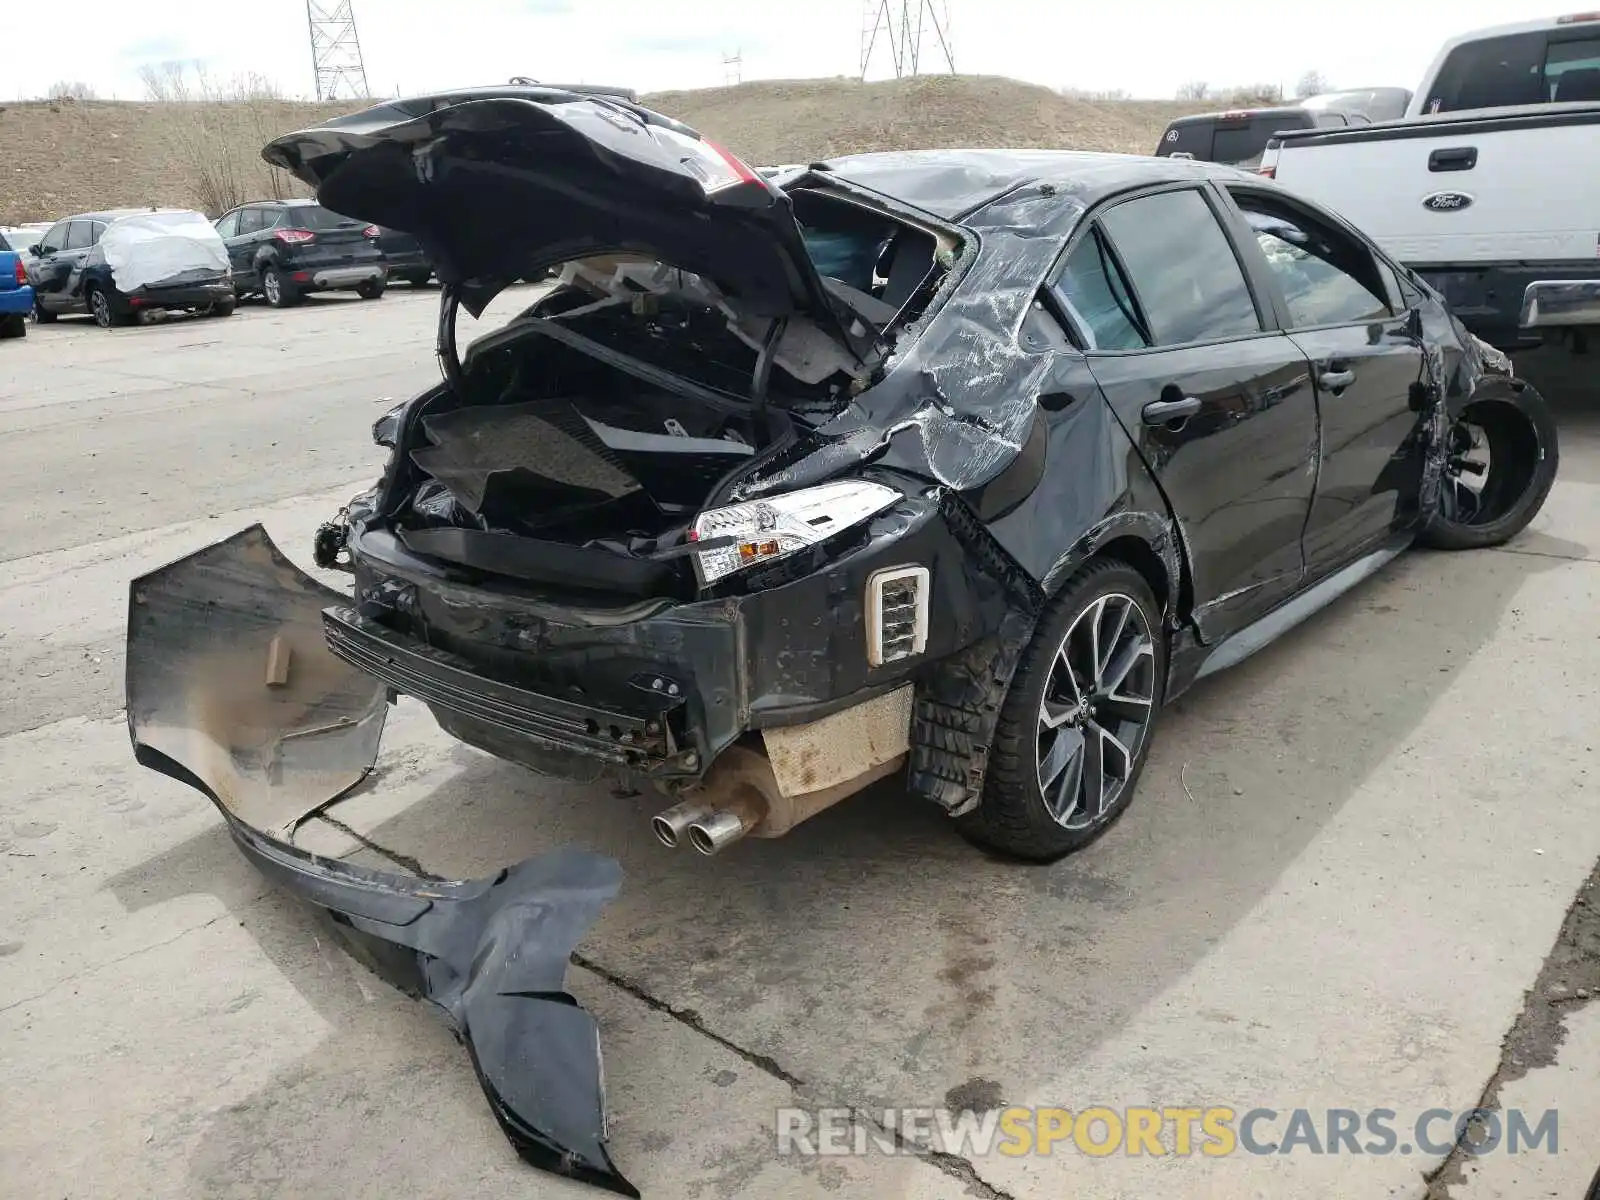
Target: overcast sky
[1147, 47]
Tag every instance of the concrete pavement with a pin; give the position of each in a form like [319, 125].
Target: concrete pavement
[1347, 863]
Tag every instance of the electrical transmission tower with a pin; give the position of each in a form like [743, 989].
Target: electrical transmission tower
[903, 26]
[336, 51]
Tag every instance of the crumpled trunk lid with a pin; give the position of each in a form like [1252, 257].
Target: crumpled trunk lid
[499, 182]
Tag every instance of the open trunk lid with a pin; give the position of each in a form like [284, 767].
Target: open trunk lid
[498, 182]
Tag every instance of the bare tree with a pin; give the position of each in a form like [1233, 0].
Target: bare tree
[73, 89]
[1196, 90]
[1096, 95]
[1312, 83]
[220, 128]
[1253, 94]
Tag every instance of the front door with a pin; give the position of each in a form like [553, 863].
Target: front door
[51, 268]
[1221, 407]
[1369, 369]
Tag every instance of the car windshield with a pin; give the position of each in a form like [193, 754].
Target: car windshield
[314, 216]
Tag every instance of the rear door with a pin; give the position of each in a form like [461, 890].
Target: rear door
[228, 231]
[1341, 306]
[80, 241]
[1218, 401]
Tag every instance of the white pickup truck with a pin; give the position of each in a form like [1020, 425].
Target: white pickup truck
[1489, 188]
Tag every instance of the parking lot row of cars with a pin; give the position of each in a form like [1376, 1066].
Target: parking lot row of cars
[118, 264]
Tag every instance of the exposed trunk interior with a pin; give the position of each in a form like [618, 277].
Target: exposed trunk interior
[583, 439]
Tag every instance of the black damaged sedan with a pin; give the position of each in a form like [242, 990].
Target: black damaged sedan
[951, 466]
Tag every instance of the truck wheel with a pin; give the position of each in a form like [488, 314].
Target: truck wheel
[15, 325]
[221, 308]
[370, 289]
[279, 292]
[418, 278]
[1502, 459]
[1075, 727]
[42, 314]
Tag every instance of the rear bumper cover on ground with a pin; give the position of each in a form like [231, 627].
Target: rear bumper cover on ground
[231, 690]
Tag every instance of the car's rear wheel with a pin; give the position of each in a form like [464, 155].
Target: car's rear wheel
[100, 308]
[370, 289]
[13, 325]
[221, 308]
[42, 314]
[418, 278]
[277, 290]
[1077, 721]
[1502, 458]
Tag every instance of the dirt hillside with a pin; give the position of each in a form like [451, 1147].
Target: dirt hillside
[63, 157]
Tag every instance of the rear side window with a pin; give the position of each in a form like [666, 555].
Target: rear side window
[1326, 278]
[1097, 298]
[80, 235]
[1520, 68]
[1182, 269]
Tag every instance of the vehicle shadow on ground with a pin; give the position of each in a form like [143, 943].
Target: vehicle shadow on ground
[874, 955]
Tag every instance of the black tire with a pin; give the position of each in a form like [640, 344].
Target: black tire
[13, 325]
[1524, 452]
[99, 305]
[42, 314]
[1014, 815]
[417, 278]
[370, 289]
[221, 308]
[276, 290]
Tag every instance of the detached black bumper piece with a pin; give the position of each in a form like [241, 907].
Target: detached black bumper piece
[231, 690]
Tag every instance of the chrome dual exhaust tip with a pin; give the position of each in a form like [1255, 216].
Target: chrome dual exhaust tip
[719, 830]
[671, 826]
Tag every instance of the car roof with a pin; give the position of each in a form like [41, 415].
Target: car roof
[116, 214]
[951, 184]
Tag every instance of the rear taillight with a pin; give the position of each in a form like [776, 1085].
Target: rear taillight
[1578, 18]
[372, 231]
[22, 272]
[293, 237]
[1269, 172]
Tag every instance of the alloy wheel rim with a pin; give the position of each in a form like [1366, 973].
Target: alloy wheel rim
[1098, 701]
[102, 310]
[1466, 474]
[270, 283]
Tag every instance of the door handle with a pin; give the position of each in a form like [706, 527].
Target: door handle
[1453, 158]
[1336, 381]
[1160, 412]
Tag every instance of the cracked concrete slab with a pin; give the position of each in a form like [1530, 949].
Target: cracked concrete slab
[1340, 876]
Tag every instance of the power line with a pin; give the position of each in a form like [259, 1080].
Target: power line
[336, 51]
